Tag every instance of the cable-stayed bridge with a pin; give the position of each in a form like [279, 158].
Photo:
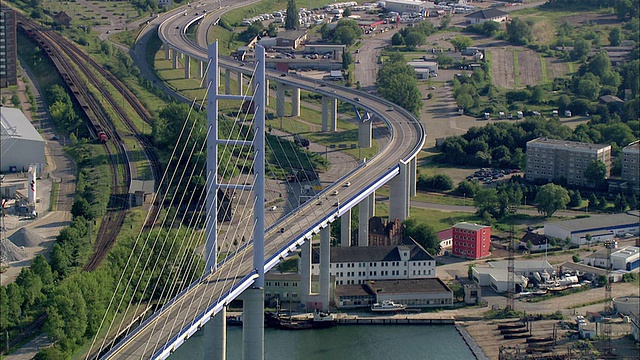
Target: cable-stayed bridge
[395, 164]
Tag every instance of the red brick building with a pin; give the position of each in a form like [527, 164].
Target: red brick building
[383, 232]
[471, 241]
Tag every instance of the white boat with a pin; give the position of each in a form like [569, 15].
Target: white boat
[387, 306]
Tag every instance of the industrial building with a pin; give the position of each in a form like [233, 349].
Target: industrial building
[598, 227]
[550, 159]
[626, 258]
[415, 293]
[8, 47]
[383, 232]
[490, 14]
[471, 241]
[358, 264]
[424, 69]
[22, 145]
[496, 273]
[408, 6]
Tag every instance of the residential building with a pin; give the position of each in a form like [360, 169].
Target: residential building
[21, 144]
[284, 288]
[471, 241]
[598, 227]
[291, 39]
[383, 232]
[630, 164]
[62, 19]
[446, 240]
[8, 48]
[550, 159]
[534, 242]
[490, 14]
[358, 264]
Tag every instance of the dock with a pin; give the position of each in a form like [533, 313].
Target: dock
[396, 319]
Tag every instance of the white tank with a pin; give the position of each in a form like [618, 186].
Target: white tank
[31, 193]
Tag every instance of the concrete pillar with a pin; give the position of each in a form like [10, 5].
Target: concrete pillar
[267, 92]
[295, 101]
[305, 271]
[227, 81]
[240, 83]
[167, 52]
[187, 67]
[219, 335]
[345, 229]
[175, 59]
[372, 204]
[325, 260]
[325, 113]
[365, 133]
[333, 108]
[202, 67]
[363, 222]
[280, 100]
[413, 169]
[399, 194]
[253, 324]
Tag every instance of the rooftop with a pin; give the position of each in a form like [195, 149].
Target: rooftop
[353, 290]
[469, 226]
[633, 147]
[487, 14]
[292, 34]
[15, 125]
[433, 285]
[599, 221]
[445, 234]
[521, 265]
[536, 239]
[546, 142]
[375, 253]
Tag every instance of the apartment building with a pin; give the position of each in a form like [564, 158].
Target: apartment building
[8, 48]
[551, 159]
[630, 162]
[471, 241]
[383, 232]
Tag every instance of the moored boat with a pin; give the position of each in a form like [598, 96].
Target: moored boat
[387, 306]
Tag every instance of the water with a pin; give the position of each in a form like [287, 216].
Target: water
[354, 342]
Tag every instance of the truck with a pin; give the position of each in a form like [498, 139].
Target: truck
[519, 114]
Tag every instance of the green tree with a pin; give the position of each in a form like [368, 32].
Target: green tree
[397, 83]
[581, 48]
[415, 39]
[67, 314]
[596, 173]
[551, 198]
[31, 286]
[423, 234]
[14, 308]
[291, 21]
[397, 39]
[575, 198]
[346, 32]
[468, 188]
[519, 32]
[486, 201]
[615, 36]
[461, 42]
[4, 314]
[588, 88]
[593, 202]
[445, 21]
[465, 101]
[599, 64]
[346, 12]
[347, 59]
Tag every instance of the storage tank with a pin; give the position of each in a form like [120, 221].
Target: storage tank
[627, 304]
[31, 193]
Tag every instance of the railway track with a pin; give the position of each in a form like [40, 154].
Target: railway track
[63, 52]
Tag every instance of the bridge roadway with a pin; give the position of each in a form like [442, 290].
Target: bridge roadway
[179, 319]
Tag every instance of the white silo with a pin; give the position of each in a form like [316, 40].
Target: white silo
[31, 194]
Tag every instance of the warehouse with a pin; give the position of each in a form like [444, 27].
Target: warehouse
[22, 145]
[407, 6]
[598, 227]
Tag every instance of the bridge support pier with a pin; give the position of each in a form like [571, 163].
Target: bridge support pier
[345, 229]
[240, 83]
[175, 59]
[227, 81]
[167, 52]
[266, 92]
[305, 271]
[399, 194]
[363, 222]
[413, 169]
[325, 260]
[372, 204]
[187, 67]
[280, 98]
[295, 101]
[219, 336]
[329, 114]
[364, 133]
[253, 324]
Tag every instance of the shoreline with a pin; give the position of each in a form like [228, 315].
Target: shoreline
[471, 342]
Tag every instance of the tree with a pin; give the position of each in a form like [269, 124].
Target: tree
[67, 314]
[4, 314]
[397, 83]
[346, 12]
[347, 59]
[550, 198]
[468, 188]
[581, 48]
[415, 39]
[461, 42]
[291, 21]
[599, 64]
[346, 32]
[397, 39]
[615, 36]
[14, 308]
[575, 198]
[465, 101]
[423, 234]
[519, 32]
[445, 21]
[486, 201]
[596, 173]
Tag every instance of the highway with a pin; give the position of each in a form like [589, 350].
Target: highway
[236, 274]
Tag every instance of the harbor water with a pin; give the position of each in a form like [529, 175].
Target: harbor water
[353, 342]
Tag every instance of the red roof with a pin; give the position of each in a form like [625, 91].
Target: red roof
[445, 234]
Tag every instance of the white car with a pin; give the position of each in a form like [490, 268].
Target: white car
[335, 192]
[347, 184]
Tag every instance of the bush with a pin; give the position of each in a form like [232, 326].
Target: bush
[575, 258]
[437, 182]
